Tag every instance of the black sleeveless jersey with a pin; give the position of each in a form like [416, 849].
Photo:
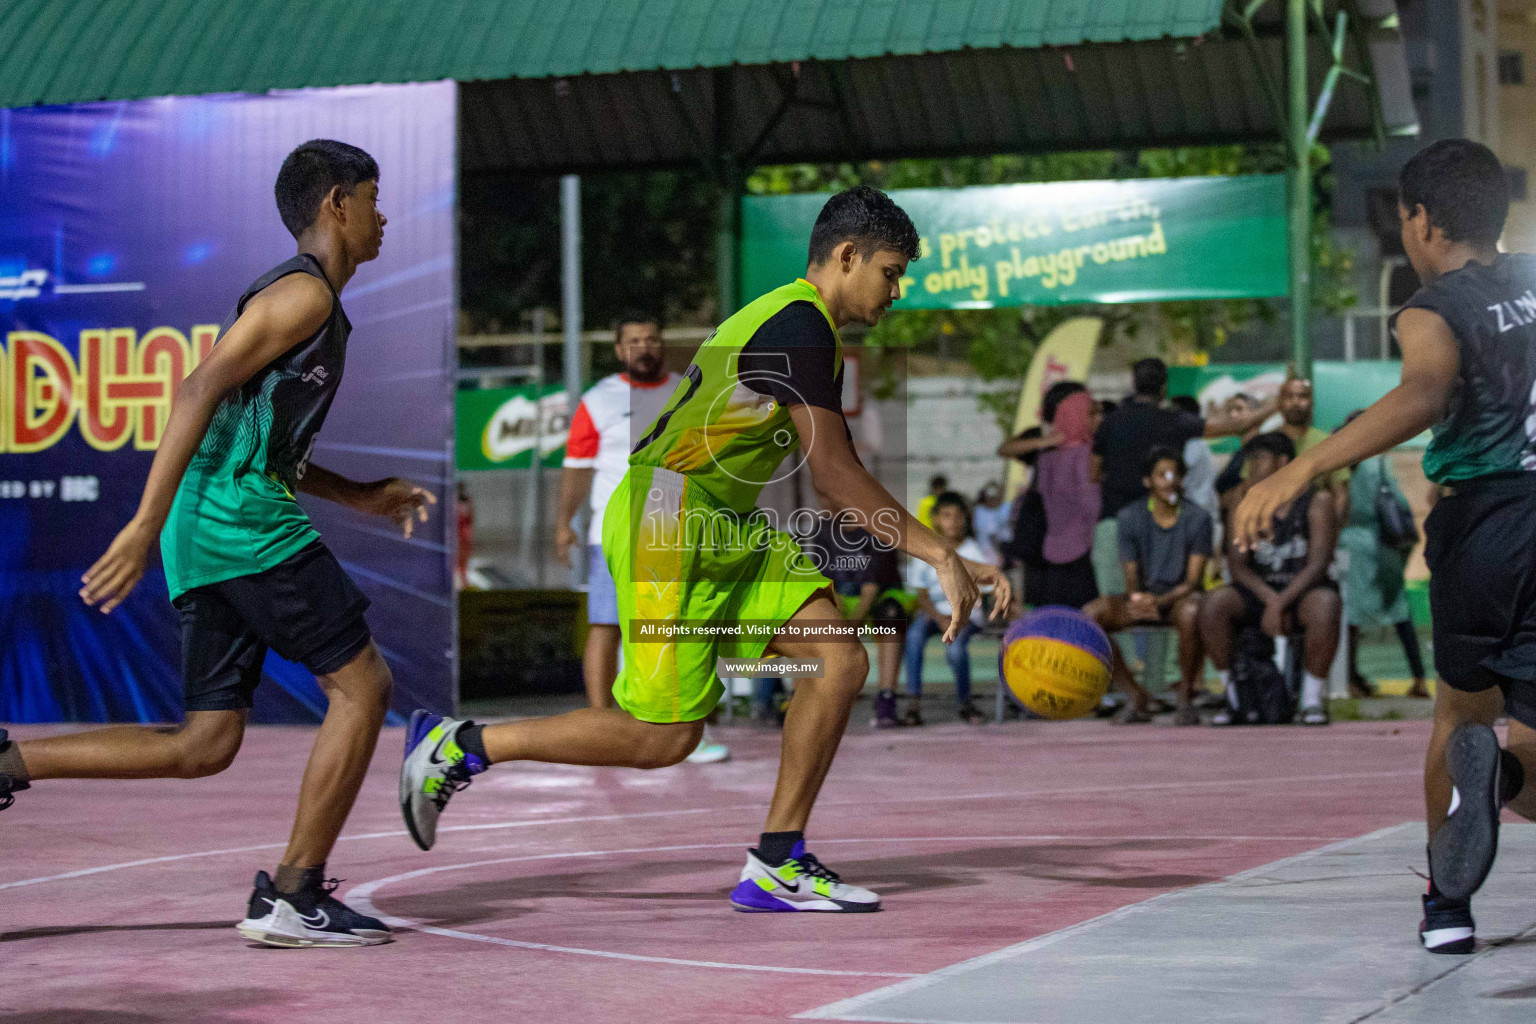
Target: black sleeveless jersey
[269, 425]
[1490, 424]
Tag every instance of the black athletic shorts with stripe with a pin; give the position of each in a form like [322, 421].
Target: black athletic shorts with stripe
[1480, 544]
[306, 608]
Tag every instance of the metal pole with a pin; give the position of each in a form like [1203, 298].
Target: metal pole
[728, 182]
[1301, 188]
[571, 319]
[727, 241]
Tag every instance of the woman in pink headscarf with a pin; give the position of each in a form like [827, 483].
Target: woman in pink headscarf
[1067, 480]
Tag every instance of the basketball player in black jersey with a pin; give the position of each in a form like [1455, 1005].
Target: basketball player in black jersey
[1469, 374]
[245, 568]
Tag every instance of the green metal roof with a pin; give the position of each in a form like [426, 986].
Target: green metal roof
[64, 51]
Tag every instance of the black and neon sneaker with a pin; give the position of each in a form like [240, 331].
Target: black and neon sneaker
[9, 784]
[1461, 852]
[435, 768]
[310, 917]
[1447, 926]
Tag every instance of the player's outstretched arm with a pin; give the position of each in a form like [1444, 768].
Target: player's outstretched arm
[842, 483]
[392, 497]
[1430, 364]
[290, 310]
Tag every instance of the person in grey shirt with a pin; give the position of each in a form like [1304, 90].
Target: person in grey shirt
[1164, 544]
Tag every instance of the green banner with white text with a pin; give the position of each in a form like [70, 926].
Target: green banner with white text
[1139, 240]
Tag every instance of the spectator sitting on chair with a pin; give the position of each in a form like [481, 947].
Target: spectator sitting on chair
[1141, 423]
[951, 519]
[1164, 544]
[1282, 584]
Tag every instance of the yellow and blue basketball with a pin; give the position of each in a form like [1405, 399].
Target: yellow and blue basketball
[1056, 661]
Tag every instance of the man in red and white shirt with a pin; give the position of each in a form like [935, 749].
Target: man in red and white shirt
[613, 414]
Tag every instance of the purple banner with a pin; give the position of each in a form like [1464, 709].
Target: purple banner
[127, 231]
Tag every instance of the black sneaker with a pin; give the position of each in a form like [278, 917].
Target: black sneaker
[885, 711]
[8, 784]
[1447, 926]
[311, 917]
[1461, 853]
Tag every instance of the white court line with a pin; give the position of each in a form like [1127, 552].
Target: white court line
[361, 896]
[848, 1009]
[635, 815]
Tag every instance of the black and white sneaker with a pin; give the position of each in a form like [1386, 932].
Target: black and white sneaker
[8, 784]
[1447, 926]
[1461, 852]
[312, 917]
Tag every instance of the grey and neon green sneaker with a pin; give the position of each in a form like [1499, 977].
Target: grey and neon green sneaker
[799, 884]
[435, 768]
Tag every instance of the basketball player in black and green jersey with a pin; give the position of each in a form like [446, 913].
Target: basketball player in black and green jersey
[1469, 374]
[685, 543]
[245, 568]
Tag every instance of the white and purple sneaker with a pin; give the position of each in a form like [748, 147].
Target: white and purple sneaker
[801, 883]
[435, 768]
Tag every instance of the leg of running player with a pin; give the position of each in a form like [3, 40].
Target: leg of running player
[816, 719]
[600, 664]
[359, 696]
[599, 737]
[204, 744]
[780, 874]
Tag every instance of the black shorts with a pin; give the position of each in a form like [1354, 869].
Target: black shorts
[1253, 608]
[1480, 544]
[1071, 584]
[305, 608]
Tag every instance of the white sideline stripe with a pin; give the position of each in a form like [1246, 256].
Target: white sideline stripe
[361, 896]
[634, 815]
[848, 1009]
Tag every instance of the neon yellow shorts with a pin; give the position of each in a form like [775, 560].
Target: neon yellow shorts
[676, 553]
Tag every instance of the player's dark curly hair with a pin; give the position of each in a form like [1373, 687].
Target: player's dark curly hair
[1461, 186]
[866, 217]
[310, 172]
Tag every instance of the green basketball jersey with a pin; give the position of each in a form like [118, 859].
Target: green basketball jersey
[235, 512]
[727, 426]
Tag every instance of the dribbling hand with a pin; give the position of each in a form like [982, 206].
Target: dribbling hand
[109, 582]
[396, 499]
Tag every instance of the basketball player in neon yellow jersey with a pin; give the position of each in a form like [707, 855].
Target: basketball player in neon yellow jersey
[684, 544]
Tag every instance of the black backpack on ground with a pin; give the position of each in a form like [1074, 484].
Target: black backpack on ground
[1259, 693]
